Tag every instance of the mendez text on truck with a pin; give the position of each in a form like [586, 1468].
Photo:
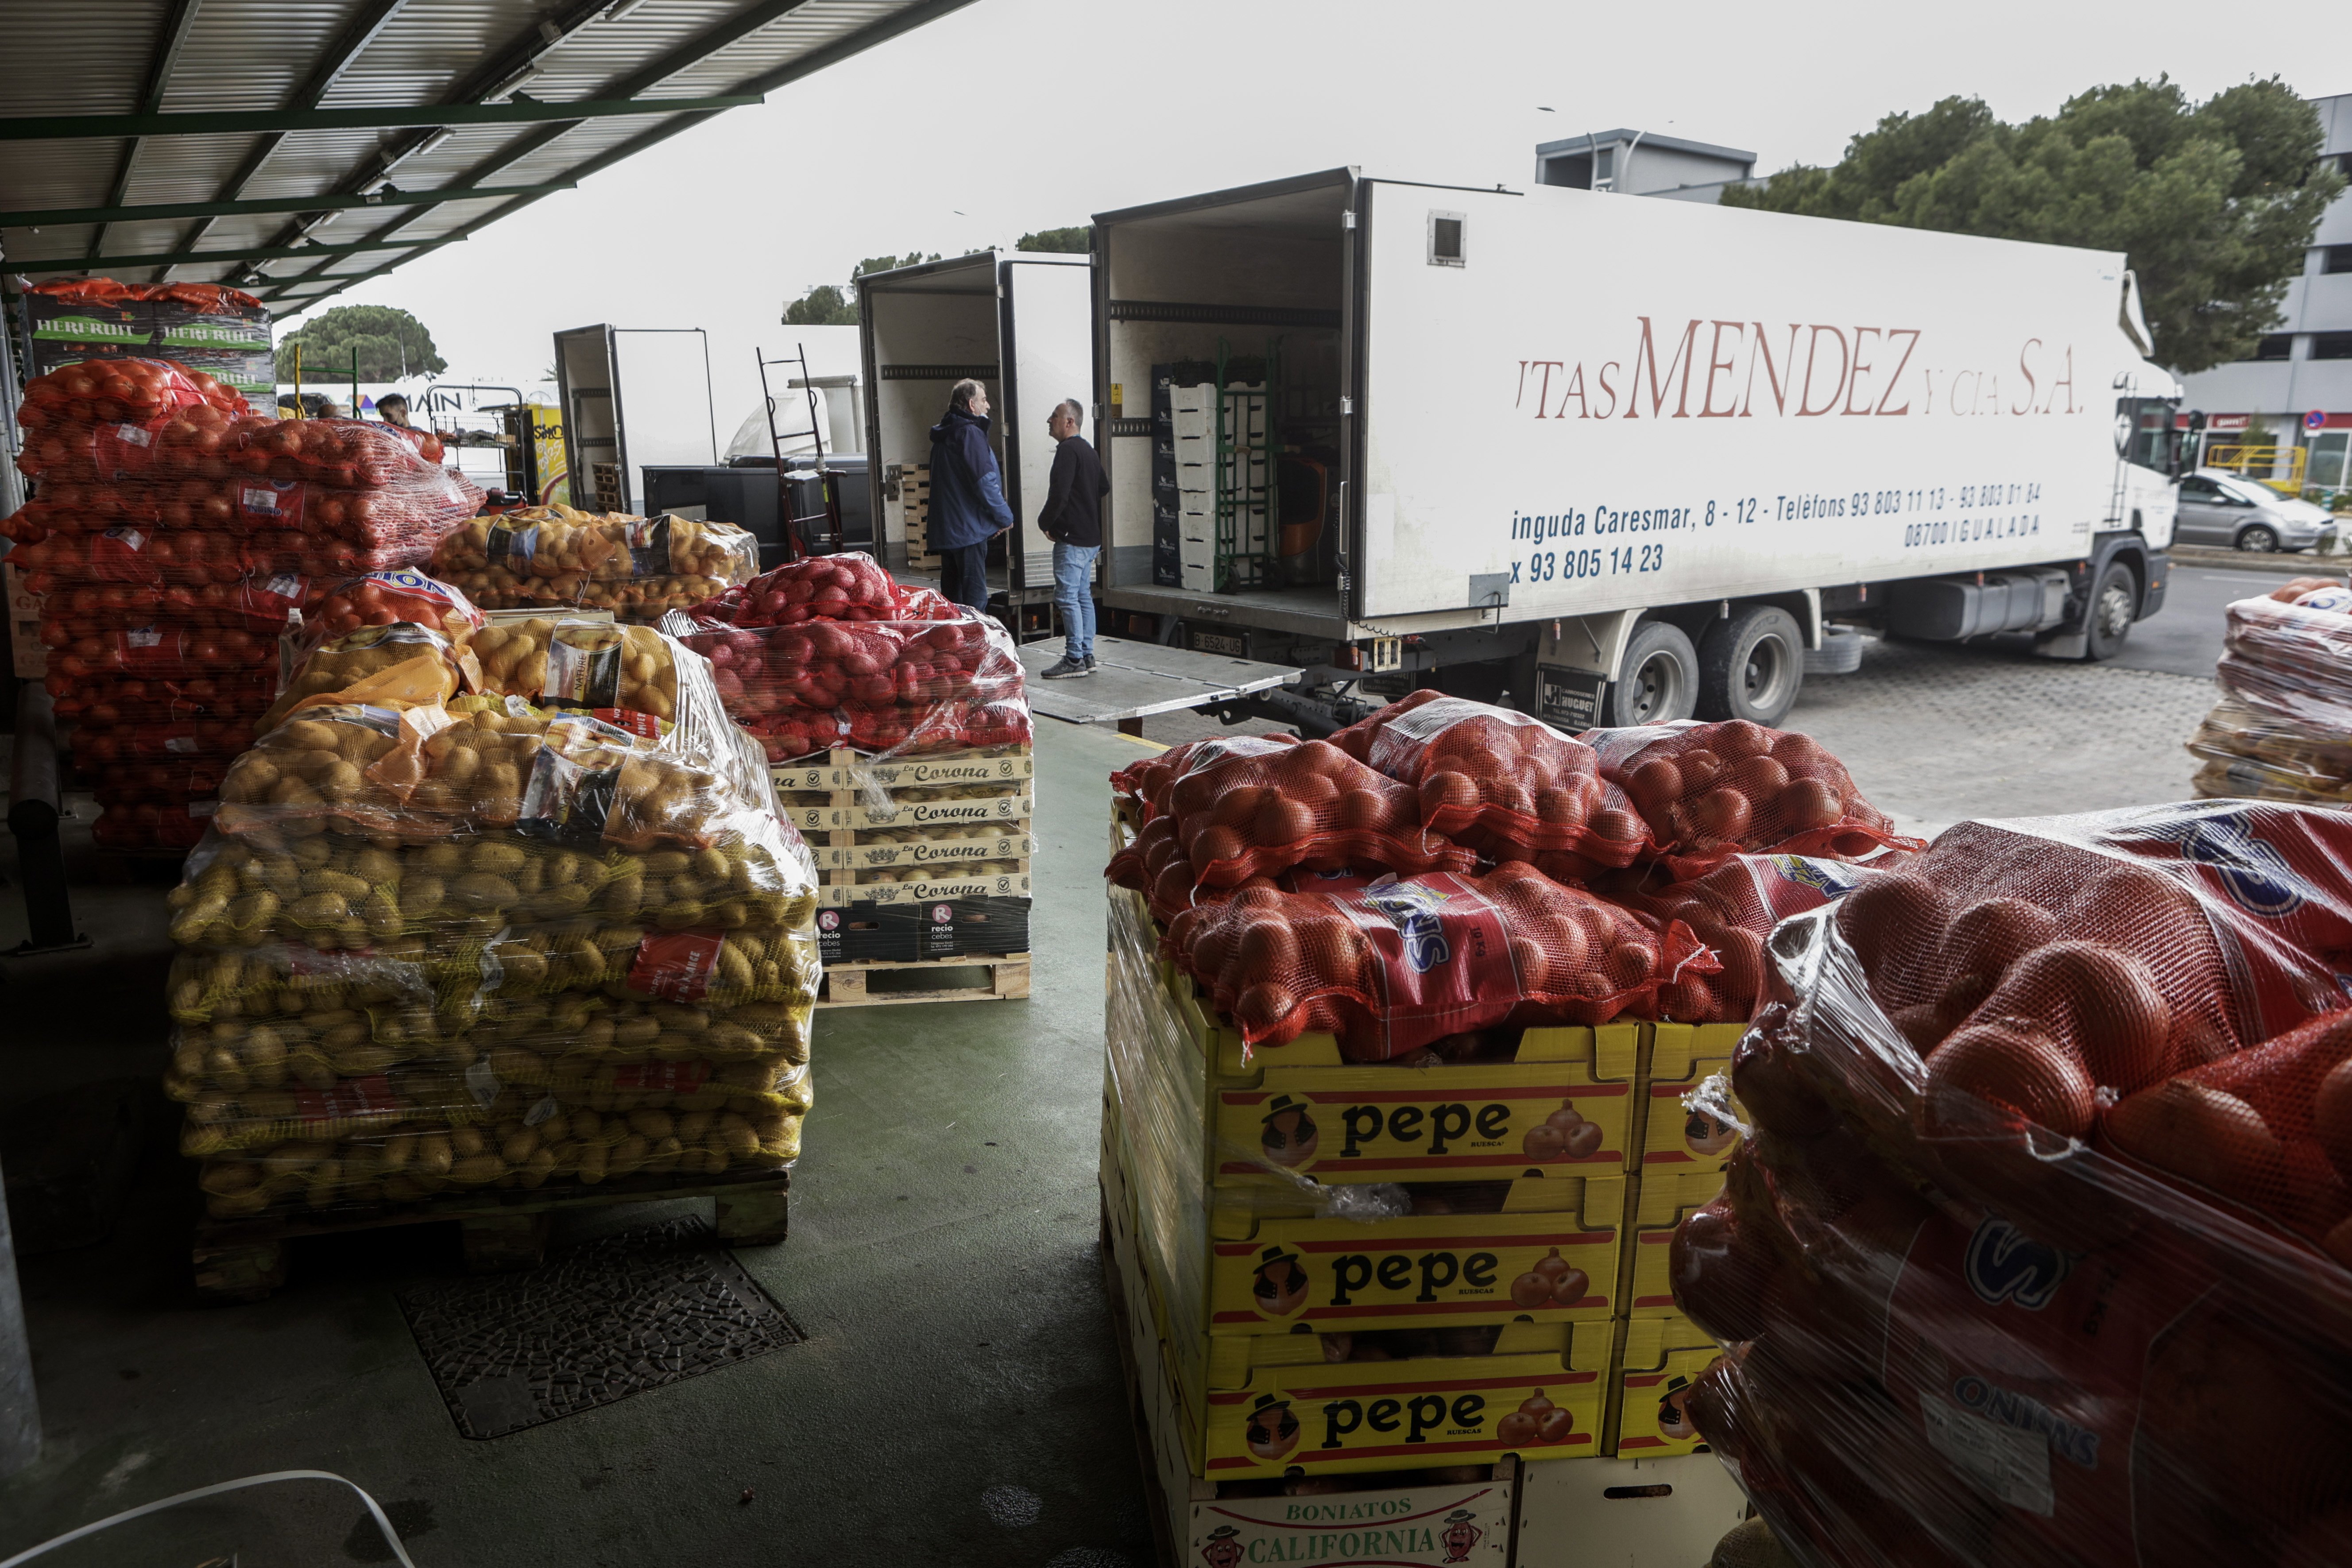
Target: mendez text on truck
[1627, 460]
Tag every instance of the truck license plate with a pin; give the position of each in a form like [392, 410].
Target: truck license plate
[1230, 644]
[1570, 699]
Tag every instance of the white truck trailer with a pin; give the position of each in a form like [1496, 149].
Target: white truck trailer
[1016, 321]
[1626, 460]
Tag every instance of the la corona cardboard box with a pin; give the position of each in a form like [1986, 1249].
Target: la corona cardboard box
[1550, 1258]
[845, 768]
[863, 854]
[1011, 805]
[939, 882]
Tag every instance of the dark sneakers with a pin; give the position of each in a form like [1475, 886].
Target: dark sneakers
[1069, 668]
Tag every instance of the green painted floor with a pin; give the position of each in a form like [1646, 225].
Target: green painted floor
[959, 1401]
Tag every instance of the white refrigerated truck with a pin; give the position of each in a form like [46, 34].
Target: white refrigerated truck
[1016, 321]
[1626, 460]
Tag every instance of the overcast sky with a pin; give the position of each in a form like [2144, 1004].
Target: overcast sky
[1013, 115]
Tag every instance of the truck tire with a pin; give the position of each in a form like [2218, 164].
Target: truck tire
[1840, 653]
[2107, 619]
[1658, 678]
[1751, 666]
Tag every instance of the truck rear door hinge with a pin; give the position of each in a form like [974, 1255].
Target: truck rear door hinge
[1347, 407]
[1348, 220]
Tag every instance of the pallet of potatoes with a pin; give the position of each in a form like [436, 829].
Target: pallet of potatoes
[500, 1229]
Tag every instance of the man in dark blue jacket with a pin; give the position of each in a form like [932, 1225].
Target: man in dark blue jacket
[968, 506]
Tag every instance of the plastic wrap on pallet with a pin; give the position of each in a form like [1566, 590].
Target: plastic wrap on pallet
[2043, 1215]
[889, 689]
[555, 557]
[427, 949]
[2278, 734]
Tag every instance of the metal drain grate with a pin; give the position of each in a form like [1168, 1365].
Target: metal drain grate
[600, 1321]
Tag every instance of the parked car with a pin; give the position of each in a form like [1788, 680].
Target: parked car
[2223, 509]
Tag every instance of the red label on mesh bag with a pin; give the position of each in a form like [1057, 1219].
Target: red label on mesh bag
[125, 448]
[120, 555]
[278, 501]
[148, 647]
[677, 966]
[352, 1097]
[662, 1077]
[630, 720]
[1444, 956]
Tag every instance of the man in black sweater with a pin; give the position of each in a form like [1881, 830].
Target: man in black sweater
[1072, 518]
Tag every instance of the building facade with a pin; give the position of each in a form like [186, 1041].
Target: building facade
[1643, 164]
[2292, 402]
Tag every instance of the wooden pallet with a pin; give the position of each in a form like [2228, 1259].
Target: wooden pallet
[1008, 981]
[502, 1229]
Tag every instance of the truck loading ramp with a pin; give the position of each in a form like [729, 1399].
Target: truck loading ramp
[1137, 680]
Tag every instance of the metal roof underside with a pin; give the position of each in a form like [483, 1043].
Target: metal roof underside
[342, 138]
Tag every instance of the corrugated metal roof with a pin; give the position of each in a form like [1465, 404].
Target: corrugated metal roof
[281, 57]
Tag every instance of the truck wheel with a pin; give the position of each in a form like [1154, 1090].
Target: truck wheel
[1659, 678]
[2115, 604]
[1750, 665]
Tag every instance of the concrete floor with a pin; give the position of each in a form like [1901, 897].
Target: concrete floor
[959, 1401]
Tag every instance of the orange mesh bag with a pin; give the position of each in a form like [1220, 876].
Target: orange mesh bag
[1709, 791]
[1502, 782]
[1145, 785]
[1240, 815]
[1401, 963]
[1733, 909]
[2038, 1222]
[76, 403]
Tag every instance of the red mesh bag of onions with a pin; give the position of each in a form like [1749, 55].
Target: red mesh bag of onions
[1733, 909]
[1709, 791]
[1506, 785]
[1396, 964]
[850, 586]
[1240, 815]
[1145, 785]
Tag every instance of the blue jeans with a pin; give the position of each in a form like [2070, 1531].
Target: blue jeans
[1074, 571]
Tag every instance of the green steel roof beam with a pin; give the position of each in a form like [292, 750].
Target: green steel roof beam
[204, 258]
[669, 65]
[150, 102]
[238, 122]
[63, 216]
